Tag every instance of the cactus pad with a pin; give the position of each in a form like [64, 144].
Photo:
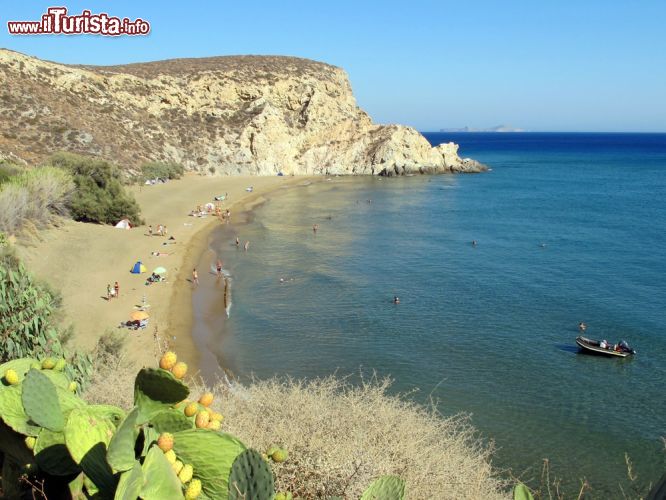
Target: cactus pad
[521, 492]
[52, 455]
[171, 421]
[12, 412]
[164, 483]
[212, 455]
[120, 454]
[251, 477]
[40, 401]
[155, 390]
[20, 366]
[130, 484]
[385, 488]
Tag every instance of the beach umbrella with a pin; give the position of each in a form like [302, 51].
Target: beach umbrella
[159, 270]
[138, 268]
[139, 315]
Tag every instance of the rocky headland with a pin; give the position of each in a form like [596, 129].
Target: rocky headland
[256, 115]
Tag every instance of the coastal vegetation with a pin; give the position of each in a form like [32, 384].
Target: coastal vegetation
[28, 320]
[99, 194]
[157, 170]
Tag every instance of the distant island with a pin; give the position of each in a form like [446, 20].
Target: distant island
[498, 128]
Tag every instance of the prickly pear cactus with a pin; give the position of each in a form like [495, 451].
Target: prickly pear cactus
[120, 454]
[20, 366]
[163, 482]
[212, 455]
[251, 477]
[40, 401]
[385, 488]
[521, 492]
[87, 437]
[52, 456]
[130, 483]
[12, 412]
[156, 390]
[171, 421]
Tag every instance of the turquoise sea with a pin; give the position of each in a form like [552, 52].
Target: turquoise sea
[569, 228]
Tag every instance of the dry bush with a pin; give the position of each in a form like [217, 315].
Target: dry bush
[341, 437]
[34, 196]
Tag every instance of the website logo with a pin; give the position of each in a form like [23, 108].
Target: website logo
[56, 22]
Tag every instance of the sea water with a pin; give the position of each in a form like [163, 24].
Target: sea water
[568, 228]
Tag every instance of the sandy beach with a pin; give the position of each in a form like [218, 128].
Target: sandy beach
[79, 260]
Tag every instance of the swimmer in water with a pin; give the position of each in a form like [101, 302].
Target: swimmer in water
[473, 243]
[396, 299]
[315, 227]
[218, 267]
[246, 246]
[582, 326]
[237, 241]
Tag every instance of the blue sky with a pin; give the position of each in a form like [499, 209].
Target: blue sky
[583, 65]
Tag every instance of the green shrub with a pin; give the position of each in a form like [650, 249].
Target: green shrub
[99, 195]
[27, 328]
[8, 169]
[157, 170]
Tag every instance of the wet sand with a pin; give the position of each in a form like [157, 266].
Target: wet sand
[79, 260]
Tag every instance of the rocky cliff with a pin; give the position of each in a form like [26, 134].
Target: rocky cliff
[229, 115]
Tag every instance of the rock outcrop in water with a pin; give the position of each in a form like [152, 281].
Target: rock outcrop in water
[232, 115]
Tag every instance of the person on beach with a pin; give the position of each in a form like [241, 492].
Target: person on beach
[582, 326]
[219, 267]
[195, 276]
[116, 288]
[164, 231]
[159, 230]
[314, 228]
[108, 292]
[247, 245]
[237, 241]
[150, 230]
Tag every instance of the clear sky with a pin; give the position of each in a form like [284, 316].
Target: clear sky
[585, 65]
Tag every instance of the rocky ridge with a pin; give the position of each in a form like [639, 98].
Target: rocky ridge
[227, 115]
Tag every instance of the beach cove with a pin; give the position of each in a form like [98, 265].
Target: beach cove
[79, 260]
[563, 235]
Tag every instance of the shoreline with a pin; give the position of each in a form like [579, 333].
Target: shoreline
[201, 338]
[79, 259]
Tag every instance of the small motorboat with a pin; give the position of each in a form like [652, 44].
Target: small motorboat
[621, 349]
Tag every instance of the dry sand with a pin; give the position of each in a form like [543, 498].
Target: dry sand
[80, 260]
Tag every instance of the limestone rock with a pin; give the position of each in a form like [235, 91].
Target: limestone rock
[241, 115]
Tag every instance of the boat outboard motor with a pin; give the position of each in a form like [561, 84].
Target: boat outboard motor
[625, 347]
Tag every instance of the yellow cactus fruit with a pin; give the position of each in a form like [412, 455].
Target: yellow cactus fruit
[217, 416]
[30, 442]
[280, 455]
[206, 399]
[48, 364]
[171, 456]
[214, 425]
[165, 441]
[193, 490]
[177, 466]
[202, 420]
[60, 365]
[191, 409]
[72, 386]
[185, 473]
[179, 370]
[168, 360]
[11, 377]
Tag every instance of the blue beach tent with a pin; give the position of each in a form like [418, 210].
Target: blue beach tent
[138, 268]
